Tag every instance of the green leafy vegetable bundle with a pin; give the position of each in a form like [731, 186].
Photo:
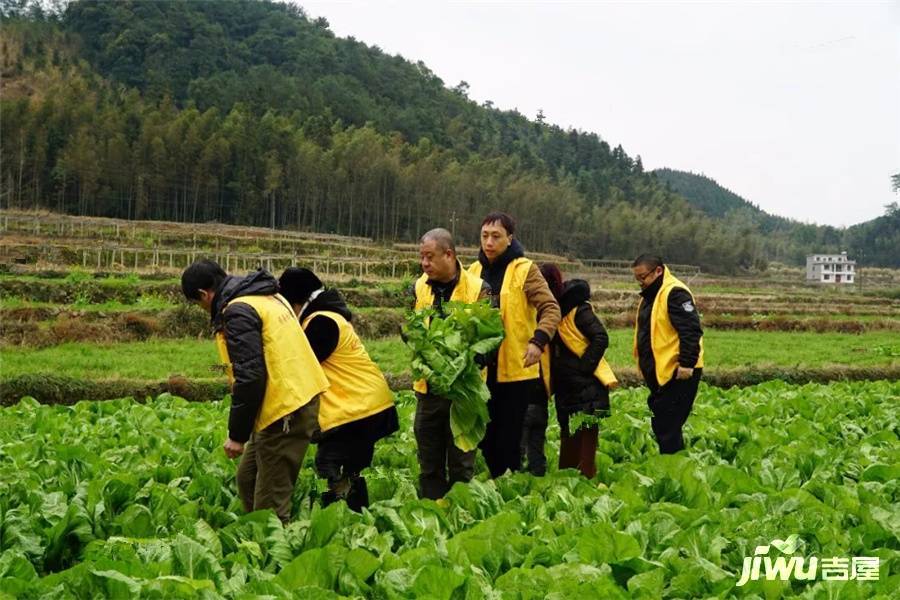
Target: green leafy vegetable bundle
[444, 349]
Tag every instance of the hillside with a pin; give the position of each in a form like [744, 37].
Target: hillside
[874, 242]
[249, 112]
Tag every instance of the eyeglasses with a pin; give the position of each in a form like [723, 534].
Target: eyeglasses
[642, 277]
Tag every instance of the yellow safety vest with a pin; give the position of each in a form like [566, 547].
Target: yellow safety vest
[577, 343]
[358, 388]
[467, 290]
[664, 340]
[294, 376]
[519, 322]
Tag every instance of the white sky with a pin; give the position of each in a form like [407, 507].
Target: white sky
[794, 106]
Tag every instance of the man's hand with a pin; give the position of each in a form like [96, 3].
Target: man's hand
[232, 448]
[532, 354]
[684, 373]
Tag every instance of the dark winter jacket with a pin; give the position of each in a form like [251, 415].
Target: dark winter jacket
[574, 384]
[242, 327]
[322, 332]
[686, 323]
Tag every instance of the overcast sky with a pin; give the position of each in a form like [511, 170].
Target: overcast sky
[794, 106]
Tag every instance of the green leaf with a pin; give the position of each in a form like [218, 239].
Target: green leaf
[437, 582]
[116, 585]
[648, 585]
[316, 567]
[191, 560]
[600, 543]
[362, 563]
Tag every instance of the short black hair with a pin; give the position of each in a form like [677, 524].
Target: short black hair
[204, 274]
[509, 224]
[651, 261]
[297, 284]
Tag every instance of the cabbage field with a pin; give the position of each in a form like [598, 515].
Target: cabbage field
[125, 499]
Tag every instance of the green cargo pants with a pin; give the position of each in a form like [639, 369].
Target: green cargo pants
[271, 461]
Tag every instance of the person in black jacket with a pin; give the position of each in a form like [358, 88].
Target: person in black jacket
[668, 347]
[275, 380]
[358, 409]
[576, 353]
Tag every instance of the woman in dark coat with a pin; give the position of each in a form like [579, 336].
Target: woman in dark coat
[580, 377]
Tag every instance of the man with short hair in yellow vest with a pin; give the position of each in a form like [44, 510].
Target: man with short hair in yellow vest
[275, 381]
[668, 347]
[530, 316]
[441, 463]
[358, 409]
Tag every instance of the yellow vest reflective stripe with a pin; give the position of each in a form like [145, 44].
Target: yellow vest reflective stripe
[294, 376]
[467, 290]
[358, 388]
[664, 340]
[519, 322]
[577, 343]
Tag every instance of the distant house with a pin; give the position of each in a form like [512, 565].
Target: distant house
[830, 268]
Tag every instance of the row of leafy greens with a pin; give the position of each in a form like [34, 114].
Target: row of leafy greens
[124, 499]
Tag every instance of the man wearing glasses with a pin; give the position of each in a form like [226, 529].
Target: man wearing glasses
[668, 346]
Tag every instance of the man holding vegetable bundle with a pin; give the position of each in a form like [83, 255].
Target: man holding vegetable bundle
[530, 316]
[441, 463]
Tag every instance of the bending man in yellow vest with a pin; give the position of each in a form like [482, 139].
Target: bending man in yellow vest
[358, 409]
[441, 463]
[275, 380]
[668, 346]
[530, 316]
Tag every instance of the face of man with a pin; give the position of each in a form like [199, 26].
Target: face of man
[206, 300]
[438, 263]
[645, 276]
[494, 240]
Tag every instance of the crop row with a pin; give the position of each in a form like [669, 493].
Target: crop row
[49, 388]
[123, 499]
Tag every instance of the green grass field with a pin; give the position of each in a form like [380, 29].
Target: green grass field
[194, 358]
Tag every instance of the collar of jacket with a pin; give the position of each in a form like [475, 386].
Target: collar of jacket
[514, 251]
[649, 294]
[575, 292]
[326, 299]
[440, 285]
[258, 283]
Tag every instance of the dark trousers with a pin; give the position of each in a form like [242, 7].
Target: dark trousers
[271, 461]
[342, 458]
[441, 463]
[534, 435]
[344, 451]
[579, 450]
[671, 405]
[506, 407]
[339, 460]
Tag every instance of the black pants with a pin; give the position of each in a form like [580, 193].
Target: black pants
[346, 450]
[534, 435]
[671, 405]
[506, 407]
[441, 463]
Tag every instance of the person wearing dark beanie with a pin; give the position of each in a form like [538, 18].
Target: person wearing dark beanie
[358, 408]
